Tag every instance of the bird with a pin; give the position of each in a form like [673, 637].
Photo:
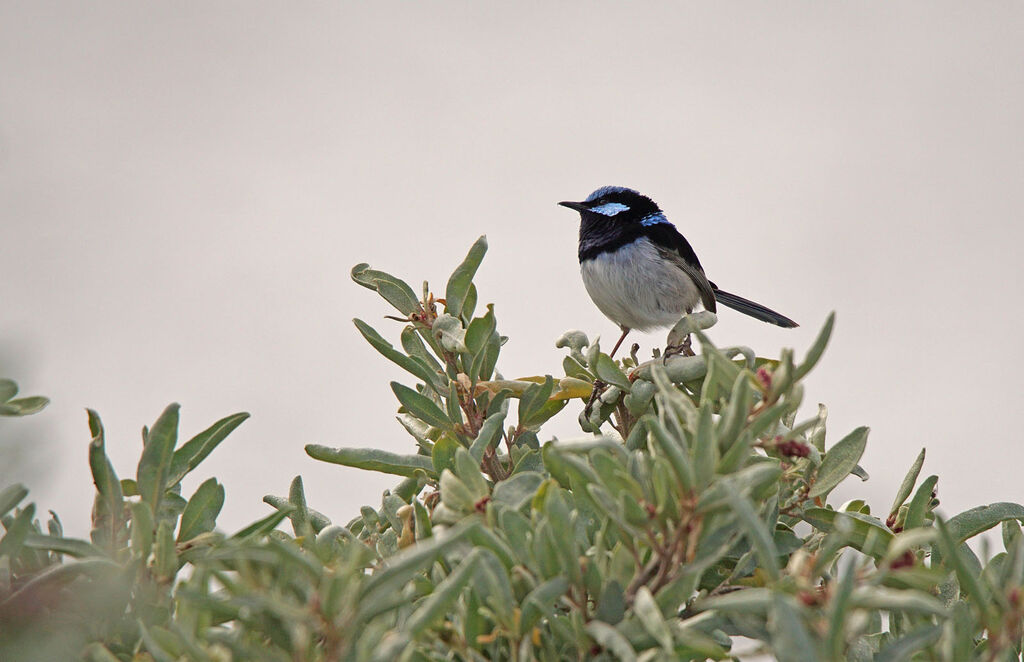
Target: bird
[641, 272]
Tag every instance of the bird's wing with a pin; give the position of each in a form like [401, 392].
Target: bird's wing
[674, 247]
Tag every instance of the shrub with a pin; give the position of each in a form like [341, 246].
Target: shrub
[695, 512]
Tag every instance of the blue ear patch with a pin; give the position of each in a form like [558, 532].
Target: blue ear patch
[654, 219]
[610, 208]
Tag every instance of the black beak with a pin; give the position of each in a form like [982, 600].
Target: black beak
[578, 206]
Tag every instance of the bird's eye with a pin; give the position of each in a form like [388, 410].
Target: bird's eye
[610, 208]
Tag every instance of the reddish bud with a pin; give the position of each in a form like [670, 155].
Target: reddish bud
[793, 448]
[906, 560]
[481, 505]
[765, 378]
[808, 598]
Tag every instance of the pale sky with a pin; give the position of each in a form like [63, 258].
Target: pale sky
[185, 186]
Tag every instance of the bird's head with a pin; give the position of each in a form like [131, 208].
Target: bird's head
[617, 204]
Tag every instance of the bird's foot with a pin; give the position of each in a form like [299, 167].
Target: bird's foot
[682, 349]
[599, 388]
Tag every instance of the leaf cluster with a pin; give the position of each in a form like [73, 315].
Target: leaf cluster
[696, 510]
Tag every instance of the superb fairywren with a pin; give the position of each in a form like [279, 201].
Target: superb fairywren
[640, 271]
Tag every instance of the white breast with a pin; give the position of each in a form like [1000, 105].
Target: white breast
[638, 289]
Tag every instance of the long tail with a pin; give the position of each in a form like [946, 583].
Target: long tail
[755, 310]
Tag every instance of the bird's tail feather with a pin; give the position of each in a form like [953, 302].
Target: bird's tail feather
[755, 310]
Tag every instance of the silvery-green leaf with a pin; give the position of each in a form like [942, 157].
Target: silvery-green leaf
[461, 280]
[450, 332]
[519, 489]
[612, 640]
[372, 459]
[982, 518]
[839, 461]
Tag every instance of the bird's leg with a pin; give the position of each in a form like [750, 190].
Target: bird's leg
[682, 348]
[625, 332]
[599, 387]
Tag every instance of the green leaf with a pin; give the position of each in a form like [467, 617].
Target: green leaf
[839, 461]
[8, 389]
[533, 399]
[295, 513]
[109, 526]
[752, 479]
[705, 450]
[264, 525]
[734, 415]
[918, 507]
[608, 372]
[484, 344]
[480, 331]
[880, 597]
[411, 364]
[469, 305]
[444, 596]
[96, 652]
[421, 406]
[153, 646]
[606, 505]
[394, 290]
[143, 529]
[972, 522]
[195, 450]
[862, 532]
[155, 463]
[461, 280]
[838, 605]
[907, 486]
[488, 436]
[496, 589]
[23, 406]
[611, 640]
[817, 349]
[758, 535]
[791, 641]
[402, 567]
[481, 536]
[424, 527]
[744, 601]
[957, 557]
[455, 494]
[540, 416]
[612, 606]
[442, 455]
[904, 647]
[540, 602]
[200, 514]
[70, 546]
[673, 451]
[651, 619]
[165, 556]
[372, 459]
[17, 531]
[468, 471]
[11, 497]
[450, 333]
[518, 490]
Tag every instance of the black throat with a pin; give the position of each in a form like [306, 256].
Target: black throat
[601, 234]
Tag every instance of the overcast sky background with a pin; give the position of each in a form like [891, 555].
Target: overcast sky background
[185, 186]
